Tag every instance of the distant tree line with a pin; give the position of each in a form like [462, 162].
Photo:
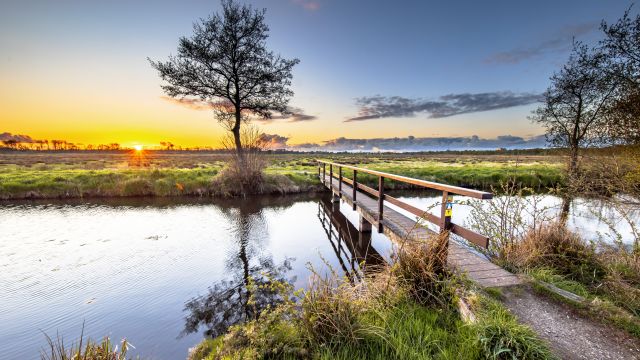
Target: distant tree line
[54, 145]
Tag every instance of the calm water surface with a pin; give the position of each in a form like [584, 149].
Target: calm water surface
[127, 267]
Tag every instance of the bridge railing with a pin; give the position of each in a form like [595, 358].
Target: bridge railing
[443, 221]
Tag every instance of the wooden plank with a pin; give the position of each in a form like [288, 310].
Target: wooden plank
[480, 267]
[500, 282]
[488, 274]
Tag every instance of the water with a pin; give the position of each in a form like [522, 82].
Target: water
[594, 220]
[128, 267]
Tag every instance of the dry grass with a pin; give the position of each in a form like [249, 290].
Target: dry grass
[84, 349]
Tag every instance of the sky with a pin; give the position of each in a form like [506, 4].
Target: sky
[78, 69]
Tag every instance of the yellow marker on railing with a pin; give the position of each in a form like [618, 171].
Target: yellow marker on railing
[449, 209]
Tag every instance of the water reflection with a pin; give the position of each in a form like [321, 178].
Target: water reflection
[247, 290]
[352, 248]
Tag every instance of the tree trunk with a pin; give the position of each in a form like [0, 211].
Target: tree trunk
[573, 163]
[236, 137]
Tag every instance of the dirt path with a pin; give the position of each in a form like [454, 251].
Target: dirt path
[569, 335]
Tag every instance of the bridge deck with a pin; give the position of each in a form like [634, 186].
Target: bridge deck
[398, 227]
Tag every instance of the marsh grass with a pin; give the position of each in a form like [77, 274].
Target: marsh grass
[84, 349]
[103, 174]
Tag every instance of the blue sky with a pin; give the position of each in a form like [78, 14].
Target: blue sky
[84, 64]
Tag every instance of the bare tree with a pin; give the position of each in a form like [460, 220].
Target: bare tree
[226, 63]
[574, 105]
[622, 47]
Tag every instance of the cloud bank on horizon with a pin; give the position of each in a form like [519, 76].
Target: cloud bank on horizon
[412, 143]
[379, 107]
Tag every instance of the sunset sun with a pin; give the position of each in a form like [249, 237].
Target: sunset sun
[138, 147]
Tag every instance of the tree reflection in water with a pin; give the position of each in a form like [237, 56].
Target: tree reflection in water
[243, 297]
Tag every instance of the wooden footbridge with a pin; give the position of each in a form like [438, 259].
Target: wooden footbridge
[381, 210]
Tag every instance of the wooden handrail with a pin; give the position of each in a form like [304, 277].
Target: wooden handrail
[423, 183]
[443, 221]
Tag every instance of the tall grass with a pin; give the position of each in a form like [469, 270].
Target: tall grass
[84, 349]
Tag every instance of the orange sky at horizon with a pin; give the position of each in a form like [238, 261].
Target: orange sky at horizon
[99, 100]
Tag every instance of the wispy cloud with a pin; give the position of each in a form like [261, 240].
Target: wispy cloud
[307, 4]
[378, 107]
[295, 114]
[561, 42]
[196, 104]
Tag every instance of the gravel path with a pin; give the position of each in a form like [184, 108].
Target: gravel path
[569, 335]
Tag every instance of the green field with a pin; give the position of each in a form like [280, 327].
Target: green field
[105, 174]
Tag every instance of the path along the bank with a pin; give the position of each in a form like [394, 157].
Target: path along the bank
[569, 334]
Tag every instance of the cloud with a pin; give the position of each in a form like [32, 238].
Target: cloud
[6, 136]
[412, 143]
[561, 42]
[296, 114]
[377, 107]
[196, 104]
[307, 4]
[273, 141]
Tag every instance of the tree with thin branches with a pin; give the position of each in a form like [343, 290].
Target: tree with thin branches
[574, 106]
[226, 64]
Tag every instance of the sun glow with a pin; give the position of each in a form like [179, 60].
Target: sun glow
[137, 147]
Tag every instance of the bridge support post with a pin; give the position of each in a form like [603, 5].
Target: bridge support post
[335, 198]
[364, 226]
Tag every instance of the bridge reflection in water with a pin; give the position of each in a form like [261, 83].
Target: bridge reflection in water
[352, 247]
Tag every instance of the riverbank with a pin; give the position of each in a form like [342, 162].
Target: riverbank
[400, 311]
[63, 175]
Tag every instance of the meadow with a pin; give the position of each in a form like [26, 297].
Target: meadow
[79, 174]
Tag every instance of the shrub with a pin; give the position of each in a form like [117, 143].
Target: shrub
[332, 310]
[420, 266]
[554, 246]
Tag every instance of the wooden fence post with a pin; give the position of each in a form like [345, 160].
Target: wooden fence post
[355, 187]
[380, 201]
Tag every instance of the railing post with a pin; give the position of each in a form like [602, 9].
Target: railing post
[355, 187]
[445, 226]
[324, 173]
[331, 177]
[445, 212]
[319, 173]
[380, 201]
[340, 181]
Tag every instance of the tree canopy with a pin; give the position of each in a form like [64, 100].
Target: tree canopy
[226, 63]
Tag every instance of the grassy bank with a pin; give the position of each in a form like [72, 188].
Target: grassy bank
[74, 175]
[404, 311]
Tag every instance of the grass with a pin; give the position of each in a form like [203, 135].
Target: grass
[84, 349]
[607, 276]
[386, 316]
[95, 174]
